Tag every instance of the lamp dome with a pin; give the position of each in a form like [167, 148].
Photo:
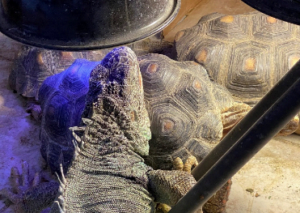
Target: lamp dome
[84, 24]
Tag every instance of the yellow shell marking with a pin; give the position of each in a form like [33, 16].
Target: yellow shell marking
[227, 19]
[67, 55]
[132, 116]
[152, 68]
[271, 20]
[250, 64]
[293, 60]
[40, 59]
[168, 125]
[197, 85]
[179, 35]
[201, 56]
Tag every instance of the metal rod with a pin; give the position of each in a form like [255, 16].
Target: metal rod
[261, 107]
[251, 140]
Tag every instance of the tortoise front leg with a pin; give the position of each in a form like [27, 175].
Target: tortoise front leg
[233, 115]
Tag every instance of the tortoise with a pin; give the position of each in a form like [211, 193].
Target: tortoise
[184, 107]
[246, 53]
[189, 114]
[33, 65]
[62, 99]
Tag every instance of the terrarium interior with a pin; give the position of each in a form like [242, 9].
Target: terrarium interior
[198, 78]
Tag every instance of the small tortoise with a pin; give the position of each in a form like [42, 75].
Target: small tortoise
[62, 98]
[33, 65]
[246, 53]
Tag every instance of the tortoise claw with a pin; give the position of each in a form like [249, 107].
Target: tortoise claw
[190, 163]
[76, 128]
[164, 208]
[178, 164]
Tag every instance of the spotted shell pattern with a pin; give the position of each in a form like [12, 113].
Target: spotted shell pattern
[246, 53]
[33, 65]
[184, 108]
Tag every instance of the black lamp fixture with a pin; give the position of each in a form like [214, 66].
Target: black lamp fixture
[84, 24]
[286, 10]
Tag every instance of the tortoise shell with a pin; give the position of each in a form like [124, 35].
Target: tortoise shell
[33, 65]
[62, 99]
[246, 53]
[184, 108]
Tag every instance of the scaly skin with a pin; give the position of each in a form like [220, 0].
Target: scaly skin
[29, 196]
[108, 173]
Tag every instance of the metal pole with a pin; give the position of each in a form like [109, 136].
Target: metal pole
[261, 107]
[249, 141]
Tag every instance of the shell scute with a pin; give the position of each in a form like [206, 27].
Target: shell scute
[228, 27]
[33, 65]
[157, 79]
[246, 53]
[172, 126]
[191, 93]
[266, 28]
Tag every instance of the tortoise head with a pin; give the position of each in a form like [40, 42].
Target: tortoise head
[116, 96]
